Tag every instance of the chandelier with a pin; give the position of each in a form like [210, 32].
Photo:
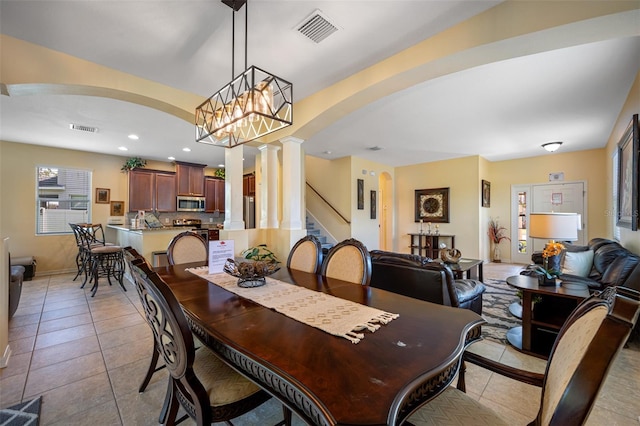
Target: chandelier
[255, 103]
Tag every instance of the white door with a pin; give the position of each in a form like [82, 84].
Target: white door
[560, 197]
[563, 197]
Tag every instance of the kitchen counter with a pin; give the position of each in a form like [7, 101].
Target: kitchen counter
[145, 241]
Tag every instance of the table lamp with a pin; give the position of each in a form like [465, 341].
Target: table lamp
[554, 227]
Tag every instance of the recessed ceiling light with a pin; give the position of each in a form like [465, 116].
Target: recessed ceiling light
[327, 152]
[186, 149]
[171, 158]
[220, 165]
[123, 148]
[133, 137]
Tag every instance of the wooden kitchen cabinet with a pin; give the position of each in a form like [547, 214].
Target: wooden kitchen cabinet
[214, 194]
[249, 185]
[190, 179]
[152, 190]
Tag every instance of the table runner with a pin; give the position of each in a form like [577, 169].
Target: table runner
[328, 313]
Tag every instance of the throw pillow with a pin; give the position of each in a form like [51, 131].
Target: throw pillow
[578, 263]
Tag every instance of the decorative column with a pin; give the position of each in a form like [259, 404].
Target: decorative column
[292, 182]
[269, 188]
[233, 205]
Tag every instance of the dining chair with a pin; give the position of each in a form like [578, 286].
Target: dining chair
[581, 356]
[132, 256]
[306, 255]
[349, 260]
[206, 388]
[187, 247]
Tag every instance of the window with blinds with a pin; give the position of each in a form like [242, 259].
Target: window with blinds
[63, 197]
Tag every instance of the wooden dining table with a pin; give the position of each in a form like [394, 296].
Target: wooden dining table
[326, 379]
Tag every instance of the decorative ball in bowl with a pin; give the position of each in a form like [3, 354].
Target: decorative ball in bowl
[250, 273]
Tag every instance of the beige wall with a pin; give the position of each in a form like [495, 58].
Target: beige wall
[18, 209]
[628, 238]
[468, 220]
[461, 176]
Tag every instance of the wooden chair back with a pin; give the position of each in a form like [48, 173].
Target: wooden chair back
[348, 260]
[187, 247]
[306, 255]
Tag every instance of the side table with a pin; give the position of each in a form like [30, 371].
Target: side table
[542, 320]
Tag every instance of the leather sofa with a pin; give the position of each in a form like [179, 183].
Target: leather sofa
[421, 278]
[16, 274]
[613, 265]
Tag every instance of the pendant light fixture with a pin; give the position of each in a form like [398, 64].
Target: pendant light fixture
[255, 103]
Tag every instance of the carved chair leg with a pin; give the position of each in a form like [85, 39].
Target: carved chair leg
[287, 415]
[462, 385]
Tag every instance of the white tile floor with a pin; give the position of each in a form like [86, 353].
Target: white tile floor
[86, 357]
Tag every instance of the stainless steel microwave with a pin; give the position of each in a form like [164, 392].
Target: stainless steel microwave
[190, 204]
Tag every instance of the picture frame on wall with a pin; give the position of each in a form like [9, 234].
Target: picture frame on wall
[360, 194]
[486, 193]
[627, 189]
[374, 204]
[116, 208]
[432, 205]
[103, 195]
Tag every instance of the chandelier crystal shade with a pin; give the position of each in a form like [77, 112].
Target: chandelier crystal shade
[254, 104]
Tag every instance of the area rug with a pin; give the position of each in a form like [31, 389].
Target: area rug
[23, 414]
[495, 310]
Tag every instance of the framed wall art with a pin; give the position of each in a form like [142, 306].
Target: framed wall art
[103, 195]
[117, 208]
[486, 193]
[627, 191]
[360, 194]
[374, 204]
[432, 205]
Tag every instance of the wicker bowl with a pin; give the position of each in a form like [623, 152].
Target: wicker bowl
[250, 273]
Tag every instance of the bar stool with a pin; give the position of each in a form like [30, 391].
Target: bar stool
[100, 259]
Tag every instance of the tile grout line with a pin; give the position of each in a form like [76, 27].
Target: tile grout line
[35, 339]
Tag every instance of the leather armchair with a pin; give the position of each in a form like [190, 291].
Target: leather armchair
[421, 278]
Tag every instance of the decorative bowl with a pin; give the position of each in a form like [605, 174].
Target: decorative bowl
[250, 273]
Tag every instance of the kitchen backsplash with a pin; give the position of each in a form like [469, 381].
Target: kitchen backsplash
[208, 219]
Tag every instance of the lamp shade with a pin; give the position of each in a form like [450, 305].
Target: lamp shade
[554, 226]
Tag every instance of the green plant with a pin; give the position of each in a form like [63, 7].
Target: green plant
[260, 252]
[133, 163]
[496, 232]
[219, 173]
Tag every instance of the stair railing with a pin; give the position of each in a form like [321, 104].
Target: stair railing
[328, 204]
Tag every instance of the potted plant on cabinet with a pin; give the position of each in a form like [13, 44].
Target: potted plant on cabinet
[132, 163]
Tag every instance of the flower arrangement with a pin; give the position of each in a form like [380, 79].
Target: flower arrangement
[550, 271]
[496, 232]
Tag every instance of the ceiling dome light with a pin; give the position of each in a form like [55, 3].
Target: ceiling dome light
[551, 146]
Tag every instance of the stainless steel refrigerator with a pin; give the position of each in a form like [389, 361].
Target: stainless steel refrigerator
[249, 212]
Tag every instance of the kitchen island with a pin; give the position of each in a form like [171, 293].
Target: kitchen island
[145, 241]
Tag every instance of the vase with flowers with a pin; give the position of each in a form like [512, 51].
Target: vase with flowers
[496, 234]
[550, 269]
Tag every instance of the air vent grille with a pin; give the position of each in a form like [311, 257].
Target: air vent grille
[82, 128]
[316, 27]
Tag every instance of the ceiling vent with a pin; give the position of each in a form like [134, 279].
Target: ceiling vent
[316, 26]
[83, 128]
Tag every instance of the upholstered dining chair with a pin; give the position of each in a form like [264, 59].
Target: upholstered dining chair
[349, 260]
[580, 359]
[306, 255]
[187, 247]
[206, 388]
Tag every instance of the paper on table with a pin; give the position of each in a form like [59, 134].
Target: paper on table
[219, 252]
